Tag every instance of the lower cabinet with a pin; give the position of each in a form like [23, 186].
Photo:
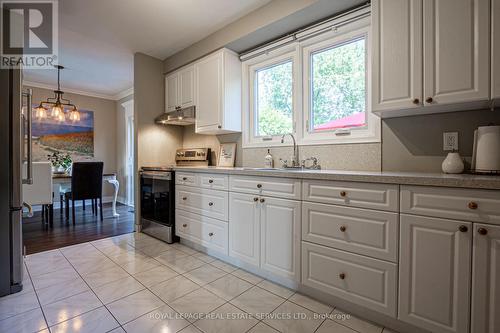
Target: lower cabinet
[265, 232]
[486, 279]
[434, 273]
[365, 281]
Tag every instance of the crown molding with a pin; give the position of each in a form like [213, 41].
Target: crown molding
[115, 97]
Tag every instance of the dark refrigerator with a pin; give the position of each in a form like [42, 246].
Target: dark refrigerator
[15, 149]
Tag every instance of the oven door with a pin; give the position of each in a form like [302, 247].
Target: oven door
[157, 197]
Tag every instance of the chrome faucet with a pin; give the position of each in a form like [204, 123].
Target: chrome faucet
[295, 161]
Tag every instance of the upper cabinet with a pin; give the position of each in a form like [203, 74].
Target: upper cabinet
[495, 57]
[430, 56]
[218, 93]
[179, 89]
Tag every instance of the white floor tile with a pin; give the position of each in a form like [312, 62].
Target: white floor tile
[205, 274]
[96, 321]
[115, 290]
[161, 320]
[170, 256]
[224, 266]
[190, 329]
[200, 301]
[263, 328]
[17, 303]
[156, 250]
[276, 289]
[86, 266]
[204, 257]
[247, 276]
[226, 319]
[70, 307]
[174, 288]
[257, 302]
[140, 265]
[59, 278]
[184, 248]
[97, 279]
[156, 275]
[291, 318]
[330, 326]
[27, 322]
[310, 304]
[355, 323]
[58, 292]
[228, 287]
[133, 306]
[185, 264]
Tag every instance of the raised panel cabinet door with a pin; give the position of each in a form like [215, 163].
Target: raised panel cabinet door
[186, 87]
[434, 273]
[495, 39]
[208, 91]
[171, 91]
[456, 51]
[486, 279]
[280, 237]
[397, 54]
[244, 228]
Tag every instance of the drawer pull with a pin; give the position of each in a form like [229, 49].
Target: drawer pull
[416, 101]
[184, 178]
[429, 100]
[210, 234]
[343, 228]
[262, 200]
[482, 231]
[255, 199]
[184, 198]
[210, 181]
[210, 204]
[473, 205]
[259, 185]
[342, 276]
[184, 225]
[463, 228]
[343, 194]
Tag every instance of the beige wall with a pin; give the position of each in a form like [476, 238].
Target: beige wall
[121, 147]
[104, 126]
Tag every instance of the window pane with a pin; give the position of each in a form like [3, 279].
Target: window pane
[274, 86]
[338, 87]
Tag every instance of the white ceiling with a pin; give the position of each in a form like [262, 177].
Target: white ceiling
[98, 38]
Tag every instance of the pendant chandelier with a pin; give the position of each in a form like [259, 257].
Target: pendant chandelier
[57, 104]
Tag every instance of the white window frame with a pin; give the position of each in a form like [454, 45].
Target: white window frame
[299, 52]
[250, 68]
[365, 134]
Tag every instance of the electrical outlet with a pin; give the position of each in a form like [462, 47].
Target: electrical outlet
[450, 141]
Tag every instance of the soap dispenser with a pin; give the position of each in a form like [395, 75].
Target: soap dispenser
[268, 160]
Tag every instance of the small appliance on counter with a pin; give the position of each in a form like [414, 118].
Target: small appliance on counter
[158, 203]
[193, 157]
[486, 153]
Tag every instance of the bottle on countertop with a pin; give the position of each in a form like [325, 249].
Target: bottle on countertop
[268, 160]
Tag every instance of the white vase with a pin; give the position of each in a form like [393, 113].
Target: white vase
[453, 163]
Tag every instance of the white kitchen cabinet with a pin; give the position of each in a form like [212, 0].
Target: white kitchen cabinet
[486, 279]
[244, 228]
[205, 202]
[446, 40]
[495, 47]
[280, 237]
[218, 93]
[286, 188]
[397, 54]
[434, 273]
[179, 89]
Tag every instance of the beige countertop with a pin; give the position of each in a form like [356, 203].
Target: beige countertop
[402, 178]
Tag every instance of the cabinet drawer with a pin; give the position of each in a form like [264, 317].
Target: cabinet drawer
[362, 195]
[203, 230]
[213, 181]
[367, 232]
[458, 204]
[210, 203]
[185, 178]
[274, 187]
[361, 280]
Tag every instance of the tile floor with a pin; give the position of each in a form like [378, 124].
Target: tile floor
[135, 283]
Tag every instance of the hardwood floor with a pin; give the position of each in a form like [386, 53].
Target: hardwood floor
[38, 238]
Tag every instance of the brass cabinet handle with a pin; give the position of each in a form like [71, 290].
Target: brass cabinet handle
[343, 228]
[210, 181]
[184, 198]
[343, 194]
[482, 231]
[342, 276]
[210, 234]
[473, 205]
[184, 225]
[184, 178]
[429, 100]
[259, 185]
[416, 101]
[219, 126]
[463, 228]
[262, 200]
[210, 204]
[255, 199]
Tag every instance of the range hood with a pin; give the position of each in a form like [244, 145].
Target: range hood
[180, 117]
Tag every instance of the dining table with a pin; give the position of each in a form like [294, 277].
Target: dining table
[110, 178]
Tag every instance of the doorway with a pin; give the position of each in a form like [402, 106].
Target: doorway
[129, 152]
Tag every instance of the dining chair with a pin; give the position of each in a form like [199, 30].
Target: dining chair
[86, 184]
[40, 192]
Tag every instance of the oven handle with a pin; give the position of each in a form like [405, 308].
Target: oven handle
[155, 176]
